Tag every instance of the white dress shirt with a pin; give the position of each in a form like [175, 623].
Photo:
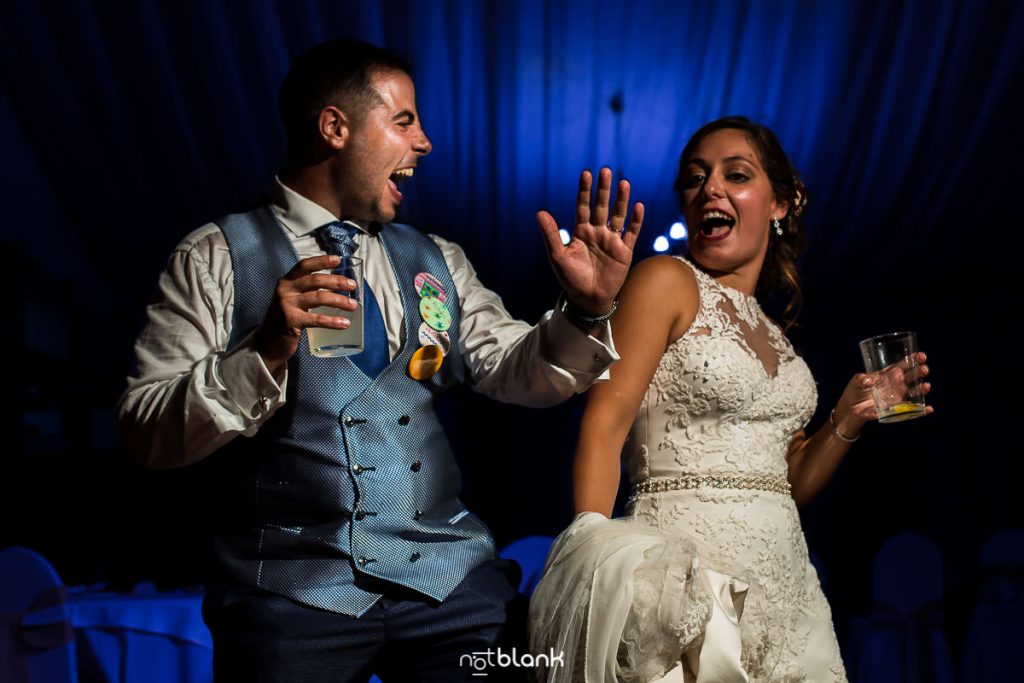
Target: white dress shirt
[191, 394]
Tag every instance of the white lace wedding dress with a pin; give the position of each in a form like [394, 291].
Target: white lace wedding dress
[709, 568]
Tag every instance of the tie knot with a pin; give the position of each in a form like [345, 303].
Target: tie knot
[337, 238]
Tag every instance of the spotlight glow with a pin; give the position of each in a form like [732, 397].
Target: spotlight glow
[661, 243]
[566, 238]
[677, 231]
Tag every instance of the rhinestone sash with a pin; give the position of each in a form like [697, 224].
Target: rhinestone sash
[712, 481]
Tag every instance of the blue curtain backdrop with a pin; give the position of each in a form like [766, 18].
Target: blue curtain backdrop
[124, 125]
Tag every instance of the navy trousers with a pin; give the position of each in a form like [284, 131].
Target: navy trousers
[260, 636]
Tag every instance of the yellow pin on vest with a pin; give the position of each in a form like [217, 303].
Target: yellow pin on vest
[425, 362]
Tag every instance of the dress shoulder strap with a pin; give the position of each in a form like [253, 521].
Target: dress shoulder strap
[706, 294]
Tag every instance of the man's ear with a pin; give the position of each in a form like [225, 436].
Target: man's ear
[333, 127]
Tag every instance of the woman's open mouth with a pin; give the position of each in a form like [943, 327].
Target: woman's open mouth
[716, 225]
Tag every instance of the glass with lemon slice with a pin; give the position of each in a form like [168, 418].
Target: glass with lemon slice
[891, 360]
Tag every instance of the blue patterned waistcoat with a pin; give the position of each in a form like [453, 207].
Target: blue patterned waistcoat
[355, 481]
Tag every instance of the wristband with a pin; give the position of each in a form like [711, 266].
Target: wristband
[581, 319]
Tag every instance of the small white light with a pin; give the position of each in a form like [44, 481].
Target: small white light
[677, 231]
[566, 238]
[661, 243]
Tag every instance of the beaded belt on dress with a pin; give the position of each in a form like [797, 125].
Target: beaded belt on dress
[712, 481]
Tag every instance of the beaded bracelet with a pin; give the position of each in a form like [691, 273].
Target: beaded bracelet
[835, 429]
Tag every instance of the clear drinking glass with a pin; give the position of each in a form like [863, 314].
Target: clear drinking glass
[891, 359]
[328, 342]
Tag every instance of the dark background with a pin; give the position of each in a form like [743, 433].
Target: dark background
[125, 125]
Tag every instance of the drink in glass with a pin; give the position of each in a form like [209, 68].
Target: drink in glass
[891, 360]
[328, 342]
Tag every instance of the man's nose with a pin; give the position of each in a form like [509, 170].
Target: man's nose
[422, 144]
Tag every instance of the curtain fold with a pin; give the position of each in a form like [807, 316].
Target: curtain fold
[171, 108]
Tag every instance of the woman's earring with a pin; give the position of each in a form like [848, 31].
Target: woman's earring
[777, 226]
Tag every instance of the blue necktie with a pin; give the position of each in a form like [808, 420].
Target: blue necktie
[338, 238]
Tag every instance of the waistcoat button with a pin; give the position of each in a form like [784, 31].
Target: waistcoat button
[416, 466]
[404, 420]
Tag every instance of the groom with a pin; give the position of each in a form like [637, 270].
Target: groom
[342, 546]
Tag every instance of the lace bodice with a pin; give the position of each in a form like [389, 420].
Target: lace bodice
[727, 396]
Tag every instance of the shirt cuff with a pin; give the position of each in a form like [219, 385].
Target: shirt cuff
[586, 356]
[246, 378]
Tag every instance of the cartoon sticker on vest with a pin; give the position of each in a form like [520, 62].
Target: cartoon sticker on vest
[430, 336]
[435, 314]
[426, 285]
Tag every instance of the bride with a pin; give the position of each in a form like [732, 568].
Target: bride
[707, 576]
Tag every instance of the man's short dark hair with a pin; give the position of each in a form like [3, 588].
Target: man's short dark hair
[337, 72]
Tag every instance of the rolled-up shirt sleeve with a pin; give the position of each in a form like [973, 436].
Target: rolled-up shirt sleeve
[512, 361]
[190, 393]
